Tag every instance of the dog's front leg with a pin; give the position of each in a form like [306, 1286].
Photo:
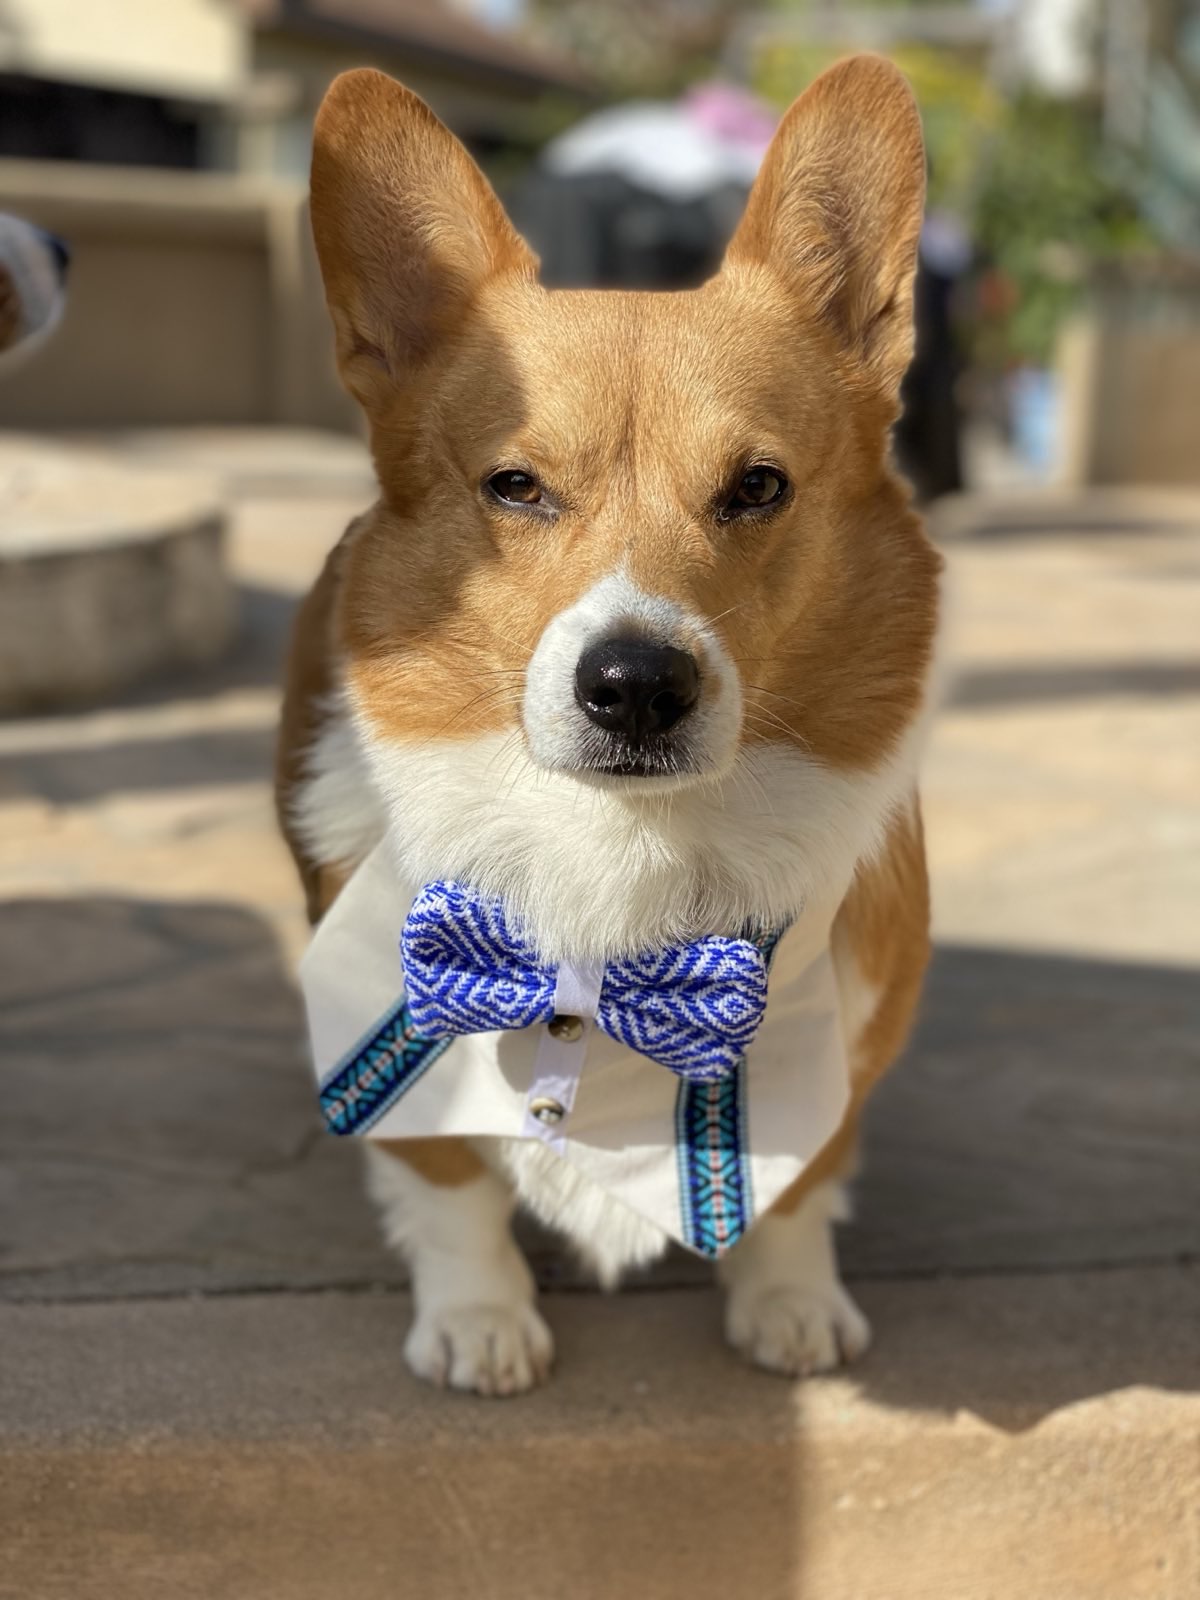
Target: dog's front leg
[787, 1309]
[475, 1324]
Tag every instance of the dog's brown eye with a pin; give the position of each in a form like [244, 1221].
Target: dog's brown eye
[517, 488]
[759, 487]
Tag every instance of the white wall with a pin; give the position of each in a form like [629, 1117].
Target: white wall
[197, 49]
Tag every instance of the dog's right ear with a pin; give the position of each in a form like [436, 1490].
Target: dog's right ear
[407, 230]
[835, 212]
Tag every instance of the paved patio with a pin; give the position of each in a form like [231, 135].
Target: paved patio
[202, 1390]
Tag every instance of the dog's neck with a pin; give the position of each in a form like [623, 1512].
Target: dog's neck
[595, 874]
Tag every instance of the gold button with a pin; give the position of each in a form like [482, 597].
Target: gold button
[568, 1029]
[548, 1111]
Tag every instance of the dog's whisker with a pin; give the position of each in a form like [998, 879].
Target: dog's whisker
[490, 696]
[502, 750]
[728, 612]
[755, 780]
[758, 688]
[763, 716]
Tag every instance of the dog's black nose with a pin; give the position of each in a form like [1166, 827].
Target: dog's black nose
[633, 687]
[59, 249]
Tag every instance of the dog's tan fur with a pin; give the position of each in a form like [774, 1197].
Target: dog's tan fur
[635, 410]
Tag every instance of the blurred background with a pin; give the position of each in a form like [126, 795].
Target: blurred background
[175, 459]
[171, 141]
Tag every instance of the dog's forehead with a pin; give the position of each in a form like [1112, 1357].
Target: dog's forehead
[657, 341]
[697, 367]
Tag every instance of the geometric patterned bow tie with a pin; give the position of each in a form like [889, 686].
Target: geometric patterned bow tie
[693, 1007]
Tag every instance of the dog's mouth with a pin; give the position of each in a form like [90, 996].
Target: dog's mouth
[662, 760]
[635, 767]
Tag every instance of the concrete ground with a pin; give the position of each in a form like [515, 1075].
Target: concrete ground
[201, 1389]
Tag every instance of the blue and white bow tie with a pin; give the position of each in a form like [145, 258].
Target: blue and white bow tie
[693, 1007]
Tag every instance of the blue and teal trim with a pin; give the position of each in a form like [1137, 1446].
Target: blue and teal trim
[372, 1076]
[712, 1147]
[715, 1197]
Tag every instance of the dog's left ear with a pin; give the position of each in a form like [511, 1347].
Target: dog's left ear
[835, 212]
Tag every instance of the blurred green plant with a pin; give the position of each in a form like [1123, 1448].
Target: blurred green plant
[1051, 208]
[654, 48]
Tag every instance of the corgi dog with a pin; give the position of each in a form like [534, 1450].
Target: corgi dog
[637, 638]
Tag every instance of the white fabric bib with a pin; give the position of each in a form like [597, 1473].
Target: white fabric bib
[699, 1159]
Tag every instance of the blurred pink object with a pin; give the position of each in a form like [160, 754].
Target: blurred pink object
[712, 138]
[729, 112]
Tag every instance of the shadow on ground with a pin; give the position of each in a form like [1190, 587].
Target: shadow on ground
[1041, 1127]
[161, 1132]
[76, 775]
[1057, 681]
[193, 758]
[160, 1139]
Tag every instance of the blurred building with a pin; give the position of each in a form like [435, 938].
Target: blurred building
[484, 82]
[136, 81]
[169, 140]
[232, 85]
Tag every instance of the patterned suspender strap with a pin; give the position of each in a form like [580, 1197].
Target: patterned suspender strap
[712, 1142]
[382, 1066]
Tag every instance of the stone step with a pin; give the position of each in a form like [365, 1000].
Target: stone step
[1024, 1437]
[109, 575]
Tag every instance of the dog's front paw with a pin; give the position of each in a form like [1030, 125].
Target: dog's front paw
[797, 1331]
[492, 1350]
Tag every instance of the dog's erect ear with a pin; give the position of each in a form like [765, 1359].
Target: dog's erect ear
[836, 211]
[407, 229]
